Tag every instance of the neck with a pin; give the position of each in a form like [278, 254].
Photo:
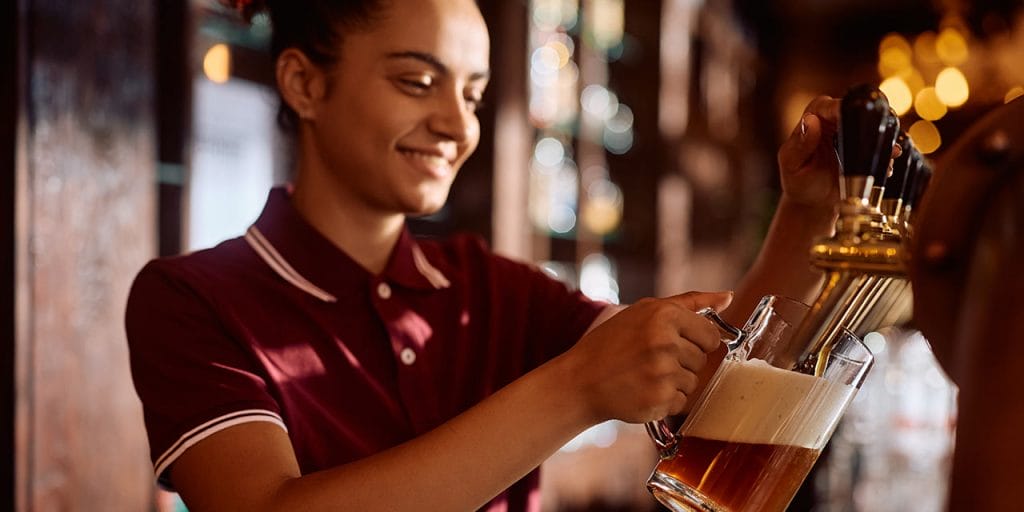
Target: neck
[368, 236]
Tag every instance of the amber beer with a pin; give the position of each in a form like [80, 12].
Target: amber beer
[753, 438]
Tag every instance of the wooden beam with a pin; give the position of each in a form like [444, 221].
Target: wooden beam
[85, 223]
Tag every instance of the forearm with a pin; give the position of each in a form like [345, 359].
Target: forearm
[783, 265]
[461, 464]
[637, 366]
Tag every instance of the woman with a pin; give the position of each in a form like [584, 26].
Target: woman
[328, 361]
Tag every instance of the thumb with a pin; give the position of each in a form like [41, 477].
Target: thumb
[696, 301]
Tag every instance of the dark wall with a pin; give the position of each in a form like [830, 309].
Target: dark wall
[8, 115]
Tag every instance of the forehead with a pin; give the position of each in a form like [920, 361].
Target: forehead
[453, 31]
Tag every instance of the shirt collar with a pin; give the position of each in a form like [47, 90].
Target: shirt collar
[298, 253]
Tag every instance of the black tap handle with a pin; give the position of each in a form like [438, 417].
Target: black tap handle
[914, 165]
[881, 170]
[863, 112]
[921, 181]
[896, 183]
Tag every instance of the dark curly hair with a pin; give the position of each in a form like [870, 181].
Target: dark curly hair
[316, 27]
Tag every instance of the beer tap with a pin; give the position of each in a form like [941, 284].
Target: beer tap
[901, 192]
[863, 260]
[895, 186]
[880, 225]
[917, 183]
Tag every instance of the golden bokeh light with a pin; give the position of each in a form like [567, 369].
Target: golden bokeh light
[924, 49]
[928, 106]
[217, 63]
[899, 94]
[893, 40]
[1013, 93]
[563, 52]
[894, 55]
[951, 87]
[951, 47]
[926, 136]
[600, 216]
[913, 79]
[892, 61]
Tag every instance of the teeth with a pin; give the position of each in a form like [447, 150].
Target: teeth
[432, 160]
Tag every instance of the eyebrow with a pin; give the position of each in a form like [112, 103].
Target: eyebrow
[435, 63]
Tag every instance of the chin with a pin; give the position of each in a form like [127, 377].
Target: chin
[427, 203]
[425, 208]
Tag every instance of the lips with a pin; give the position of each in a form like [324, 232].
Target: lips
[433, 163]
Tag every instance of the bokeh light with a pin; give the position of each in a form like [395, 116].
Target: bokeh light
[602, 212]
[217, 63]
[924, 49]
[951, 47]
[926, 136]
[894, 55]
[951, 87]
[549, 152]
[899, 94]
[928, 106]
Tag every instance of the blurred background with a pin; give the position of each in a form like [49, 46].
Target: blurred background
[628, 149]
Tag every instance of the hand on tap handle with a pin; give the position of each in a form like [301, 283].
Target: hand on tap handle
[808, 167]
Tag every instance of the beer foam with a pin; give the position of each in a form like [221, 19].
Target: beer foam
[754, 402]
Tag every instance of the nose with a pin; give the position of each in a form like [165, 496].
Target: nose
[454, 119]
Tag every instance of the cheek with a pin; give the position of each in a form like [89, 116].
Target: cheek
[473, 139]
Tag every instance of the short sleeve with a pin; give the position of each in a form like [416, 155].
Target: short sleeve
[193, 378]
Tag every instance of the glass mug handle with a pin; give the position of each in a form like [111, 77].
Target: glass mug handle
[664, 438]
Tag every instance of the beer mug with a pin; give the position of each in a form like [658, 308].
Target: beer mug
[754, 434]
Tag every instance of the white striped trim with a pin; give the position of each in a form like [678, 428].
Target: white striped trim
[430, 272]
[277, 262]
[209, 428]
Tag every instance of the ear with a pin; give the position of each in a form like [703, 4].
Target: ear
[302, 82]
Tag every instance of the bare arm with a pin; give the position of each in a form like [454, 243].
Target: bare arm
[809, 172]
[637, 366]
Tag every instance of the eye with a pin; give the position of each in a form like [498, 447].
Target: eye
[415, 85]
[474, 99]
[474, 103]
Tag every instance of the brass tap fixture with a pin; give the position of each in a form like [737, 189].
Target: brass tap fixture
[864, 264]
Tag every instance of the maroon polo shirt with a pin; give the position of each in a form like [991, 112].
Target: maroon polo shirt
[281, 326]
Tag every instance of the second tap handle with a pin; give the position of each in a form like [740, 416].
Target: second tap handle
[919, 186]
[890, 127]
[895, 184]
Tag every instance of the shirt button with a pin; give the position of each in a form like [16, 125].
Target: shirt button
[408, 356]
[384, 291]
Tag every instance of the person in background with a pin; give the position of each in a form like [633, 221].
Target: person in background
[327, 360]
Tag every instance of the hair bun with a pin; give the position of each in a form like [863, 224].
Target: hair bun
[246, 8]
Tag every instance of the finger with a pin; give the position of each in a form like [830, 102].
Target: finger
[820, 117]
[696, 301]
[699, 331]
[686, 382]
[691, 356]
[801, 144]
[826, 109]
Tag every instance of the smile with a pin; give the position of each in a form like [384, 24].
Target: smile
[433, 165]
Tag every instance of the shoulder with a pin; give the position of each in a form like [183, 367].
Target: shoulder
[197, 274]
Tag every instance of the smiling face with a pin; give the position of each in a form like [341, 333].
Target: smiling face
[399, 117]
